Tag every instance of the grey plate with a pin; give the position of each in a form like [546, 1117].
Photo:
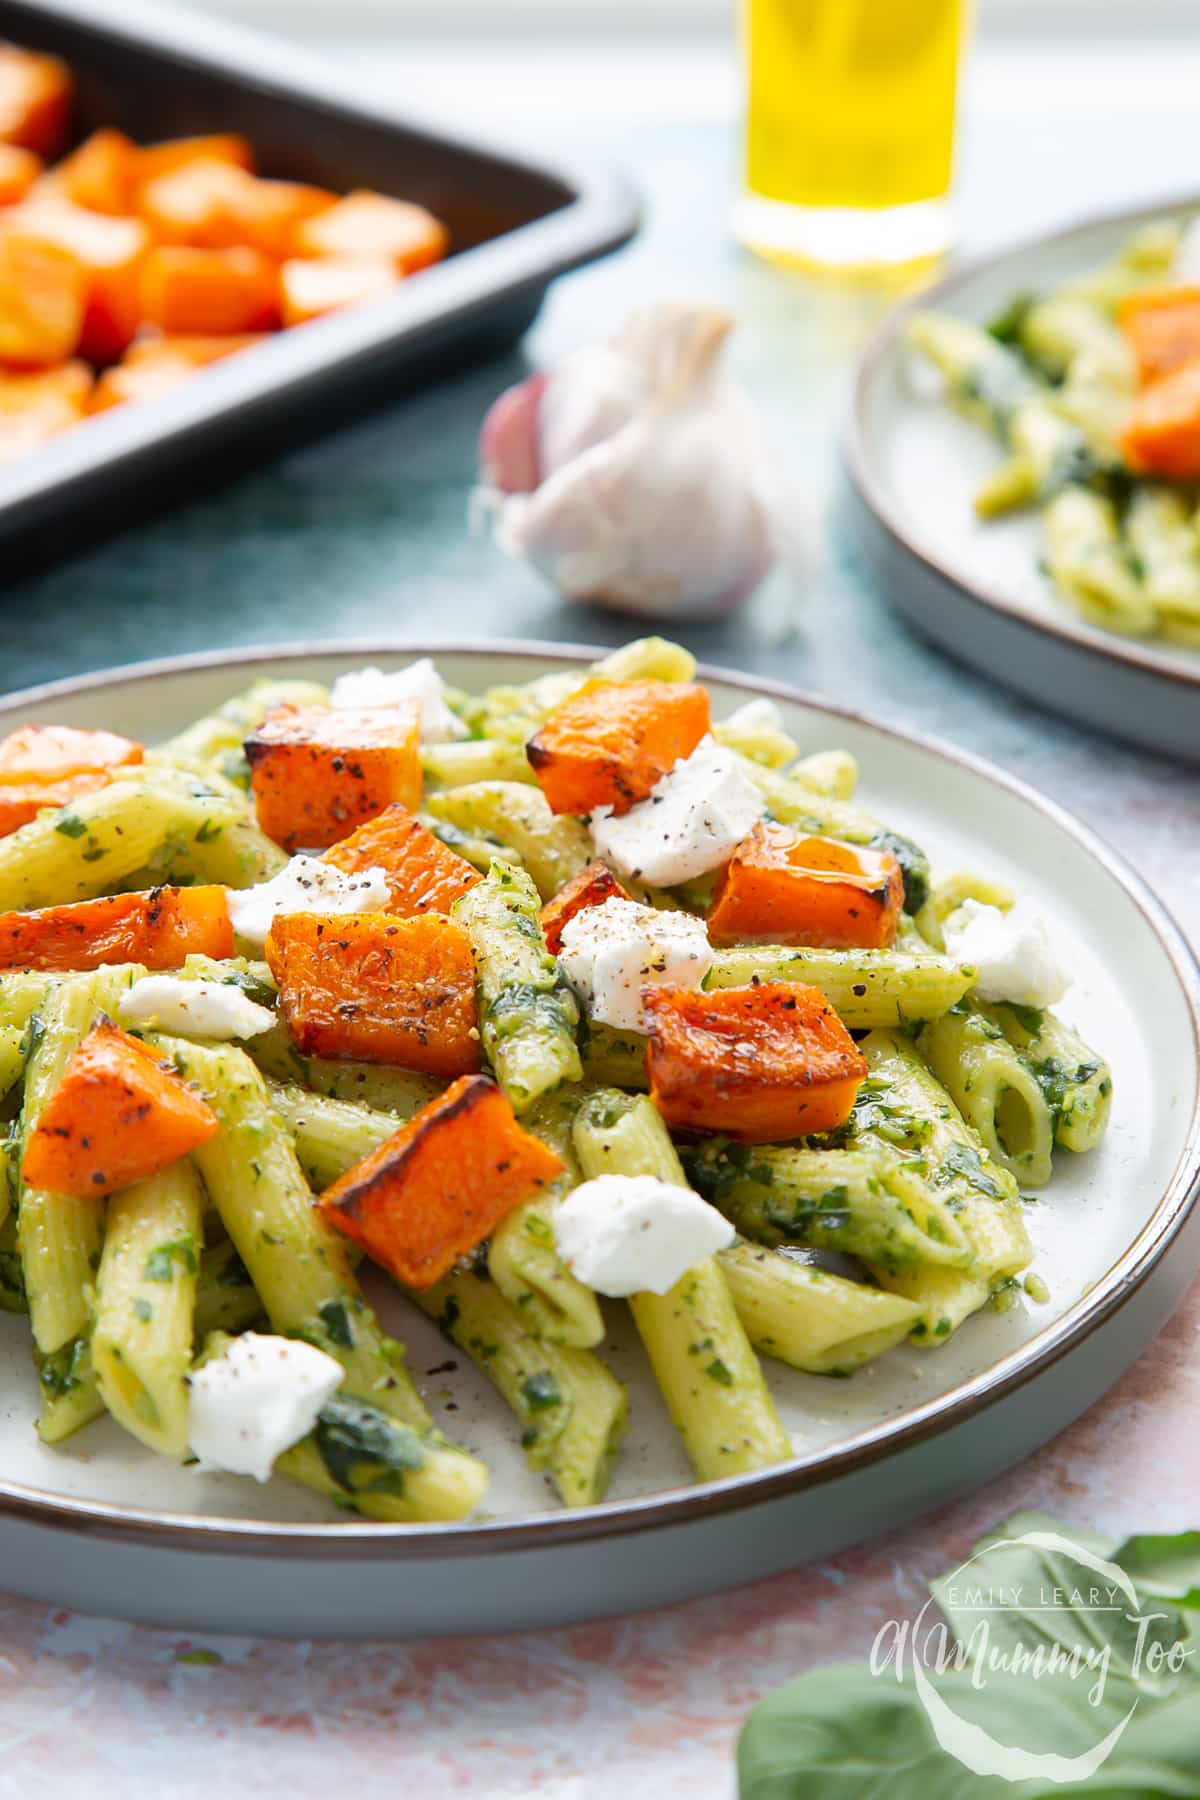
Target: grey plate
[100, 1524]
[974, 587]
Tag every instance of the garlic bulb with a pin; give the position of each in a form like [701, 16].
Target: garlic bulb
[635, 476]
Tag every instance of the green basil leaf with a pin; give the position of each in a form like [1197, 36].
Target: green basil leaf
[1168, 1565]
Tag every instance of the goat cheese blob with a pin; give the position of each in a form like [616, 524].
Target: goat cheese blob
[1012, 952]
[420, 681]
[205, 1009]
[609, 953]
[759, 714]
[690, 824]
[254, 1401]
[306, 885]
[634, 1234]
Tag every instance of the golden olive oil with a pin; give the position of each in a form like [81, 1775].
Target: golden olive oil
[850, 105]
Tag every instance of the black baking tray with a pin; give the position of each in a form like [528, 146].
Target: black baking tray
[515, 224]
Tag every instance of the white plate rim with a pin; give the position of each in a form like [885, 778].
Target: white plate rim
[1146, 655]
[339, 1539]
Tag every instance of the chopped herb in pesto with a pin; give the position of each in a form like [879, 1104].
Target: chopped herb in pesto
[336, 1321]
[541, 1391]
[364, 1450]
[160, 1264]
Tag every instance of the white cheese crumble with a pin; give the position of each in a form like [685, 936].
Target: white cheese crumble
[420, 681]
[206, 1009]
[1185, 269]
[760, 714]
[255, 1400]
[1013, 953]
[609, 953]
[691, 823]
[306, 884]
[634, 1234]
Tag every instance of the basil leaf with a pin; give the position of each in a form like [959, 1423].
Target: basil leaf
[854, 1734]
[1164, 1565]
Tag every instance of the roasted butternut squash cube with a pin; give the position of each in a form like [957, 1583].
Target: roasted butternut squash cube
[119, 1115]
[108, 250]
[192, 350]
[47, 765]
[51, 752]
[35, 100]
[43, 293]
[135, 381]
[1162, 434]
[424, 875]
[763, 1064]
[782, 887]
[19, 169]
[215, 205]
[160, 928]
[154, 160]
[430, 1194]
[309, 288]
[21, 804]
[98, 176]
[154, 365]
[591, 887]
[38, 406]
[1162, 326]
[372, 987]
[318, 773]
[377, 227]
[610, 743]
[209, 292]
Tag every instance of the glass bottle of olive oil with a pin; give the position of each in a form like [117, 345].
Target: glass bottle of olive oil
[849, 129]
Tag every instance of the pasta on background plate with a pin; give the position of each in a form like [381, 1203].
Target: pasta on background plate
[1093, 389]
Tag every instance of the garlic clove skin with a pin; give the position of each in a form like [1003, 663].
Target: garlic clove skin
[508, 439]
[594, 394]
[656, 496]
[638, 525]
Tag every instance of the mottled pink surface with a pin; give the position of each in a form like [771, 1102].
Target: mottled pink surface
[645, 1708]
